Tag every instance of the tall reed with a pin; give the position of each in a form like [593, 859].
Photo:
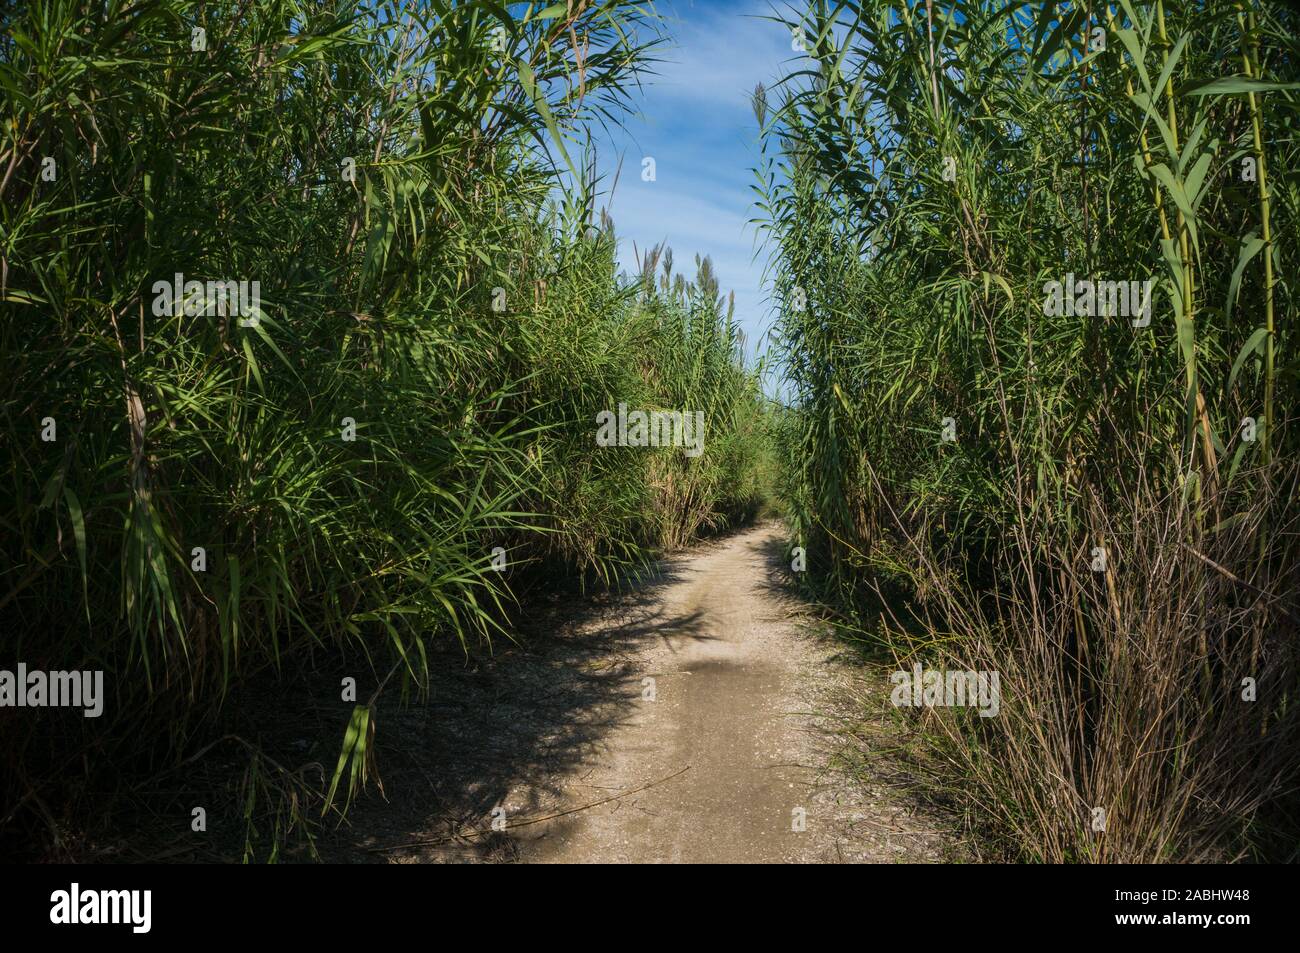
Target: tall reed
[441, 318]
[1098, 508]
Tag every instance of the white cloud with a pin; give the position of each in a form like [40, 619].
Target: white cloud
[719, 54]
[698, 124]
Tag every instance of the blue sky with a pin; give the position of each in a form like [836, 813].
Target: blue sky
[697, 123]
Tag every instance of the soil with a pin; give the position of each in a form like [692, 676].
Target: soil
[692, 720]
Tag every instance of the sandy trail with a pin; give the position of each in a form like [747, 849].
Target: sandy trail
[702, 674]
[729, 690]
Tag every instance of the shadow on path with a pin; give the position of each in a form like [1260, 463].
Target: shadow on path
[537, 709]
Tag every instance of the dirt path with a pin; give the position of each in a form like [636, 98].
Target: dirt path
[718, 701]
[697, 706]
[723, 709]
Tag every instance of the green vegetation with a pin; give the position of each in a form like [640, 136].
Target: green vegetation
[389, 444]
[958, 459]
[436, 335]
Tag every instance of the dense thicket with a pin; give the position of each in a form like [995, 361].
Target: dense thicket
[1101, 510]
[191, 495]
